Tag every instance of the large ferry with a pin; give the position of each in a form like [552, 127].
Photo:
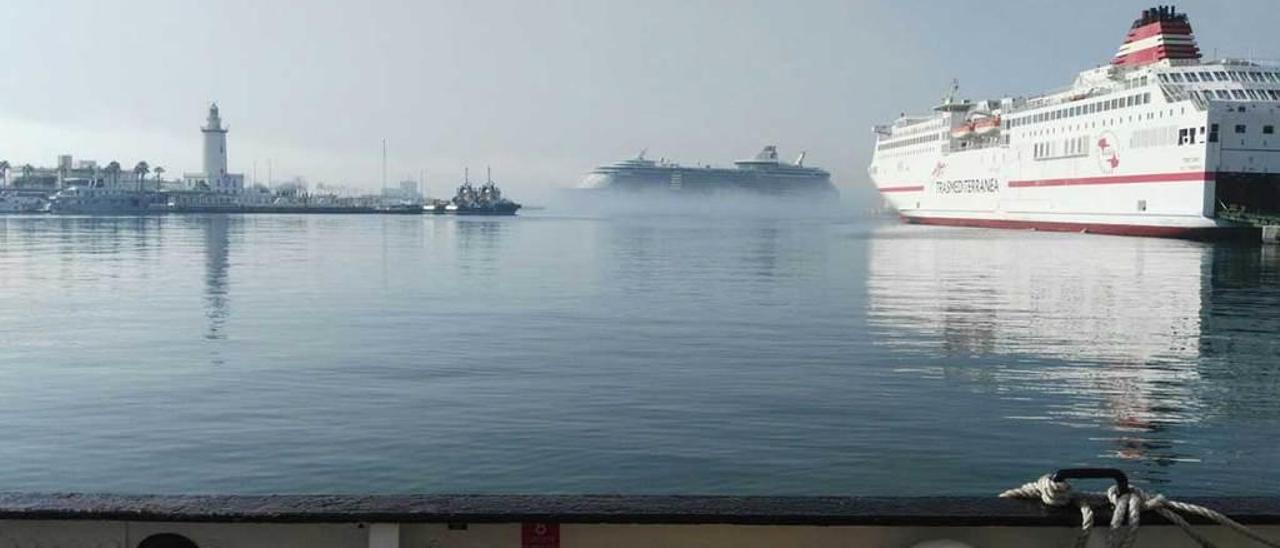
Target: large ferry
[1157, 143]
[764, 174]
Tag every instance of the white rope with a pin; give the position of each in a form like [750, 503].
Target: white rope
[1127, 513]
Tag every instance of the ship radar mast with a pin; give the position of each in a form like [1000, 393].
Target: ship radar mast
[800, 160]
[949, 103]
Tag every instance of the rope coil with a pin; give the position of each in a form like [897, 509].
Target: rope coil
[1128, 506]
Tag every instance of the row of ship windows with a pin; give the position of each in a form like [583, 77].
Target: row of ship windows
[1237, 94]
[1219, 76]
[908, 142]
[1163, 136]
[1067, 148]
[917, 128]
[1241, 128]
[1080, 110]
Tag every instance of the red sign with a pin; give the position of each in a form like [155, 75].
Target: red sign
[540, 535]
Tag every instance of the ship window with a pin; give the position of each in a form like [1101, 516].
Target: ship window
[1256, 77]
[1164, 77]
[1241, 128]
[1191, 77]
[1222, 93]
[1176, 77]
[1220, 76]
[1239, 94]
[1268, 130]
[1206, 76]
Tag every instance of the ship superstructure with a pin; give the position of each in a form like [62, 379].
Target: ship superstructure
[763, 174]
[1158, 142]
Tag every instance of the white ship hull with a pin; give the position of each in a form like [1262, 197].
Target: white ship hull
[1166, 148]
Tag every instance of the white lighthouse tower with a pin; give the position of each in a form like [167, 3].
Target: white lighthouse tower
[215, 152]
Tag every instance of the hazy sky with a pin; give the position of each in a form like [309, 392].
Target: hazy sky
[542, 90]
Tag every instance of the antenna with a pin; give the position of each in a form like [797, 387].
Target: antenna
[384, 167]
[466, 175]
[800, 160]
[488, 174]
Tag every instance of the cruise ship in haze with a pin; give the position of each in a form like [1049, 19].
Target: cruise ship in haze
[1157, 142]
[764, 175]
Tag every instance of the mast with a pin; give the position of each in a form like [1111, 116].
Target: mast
[384, 167]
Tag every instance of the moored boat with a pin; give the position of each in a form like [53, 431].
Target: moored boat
[487, 199]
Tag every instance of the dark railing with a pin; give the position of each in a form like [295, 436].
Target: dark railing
[569, 509]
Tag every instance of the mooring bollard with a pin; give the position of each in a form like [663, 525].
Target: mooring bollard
[1271, 234]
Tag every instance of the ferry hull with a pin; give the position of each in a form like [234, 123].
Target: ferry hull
[1152, 231]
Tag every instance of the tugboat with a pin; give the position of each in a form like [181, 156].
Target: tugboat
[470, 200]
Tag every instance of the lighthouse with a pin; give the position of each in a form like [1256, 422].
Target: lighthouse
[215, 152]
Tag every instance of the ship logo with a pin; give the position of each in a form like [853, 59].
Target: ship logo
[938, 169]
[1108, 157]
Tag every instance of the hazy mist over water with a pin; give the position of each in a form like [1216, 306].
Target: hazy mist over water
[732, 353]
[542, 91]
[645, 345]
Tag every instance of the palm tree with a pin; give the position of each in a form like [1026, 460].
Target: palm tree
[27, 171]
[4, 173]
[159, 171]
[113, 172]
[141, 170]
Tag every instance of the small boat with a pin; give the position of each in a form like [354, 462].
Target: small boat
[963, 131]
[986, 125]
[12, 202]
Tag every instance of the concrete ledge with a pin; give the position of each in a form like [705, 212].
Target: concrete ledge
[592, 509]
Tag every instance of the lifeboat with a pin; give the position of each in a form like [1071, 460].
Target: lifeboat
[962, 131]
[987, 125]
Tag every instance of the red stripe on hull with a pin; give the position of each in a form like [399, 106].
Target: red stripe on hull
[1192, 233]
[902, 189]
[1192, 176]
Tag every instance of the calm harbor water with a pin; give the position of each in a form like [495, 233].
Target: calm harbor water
[554, 354]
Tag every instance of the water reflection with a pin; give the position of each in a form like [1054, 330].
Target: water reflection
[1108, 334]
[217, 263]
[479, 243]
